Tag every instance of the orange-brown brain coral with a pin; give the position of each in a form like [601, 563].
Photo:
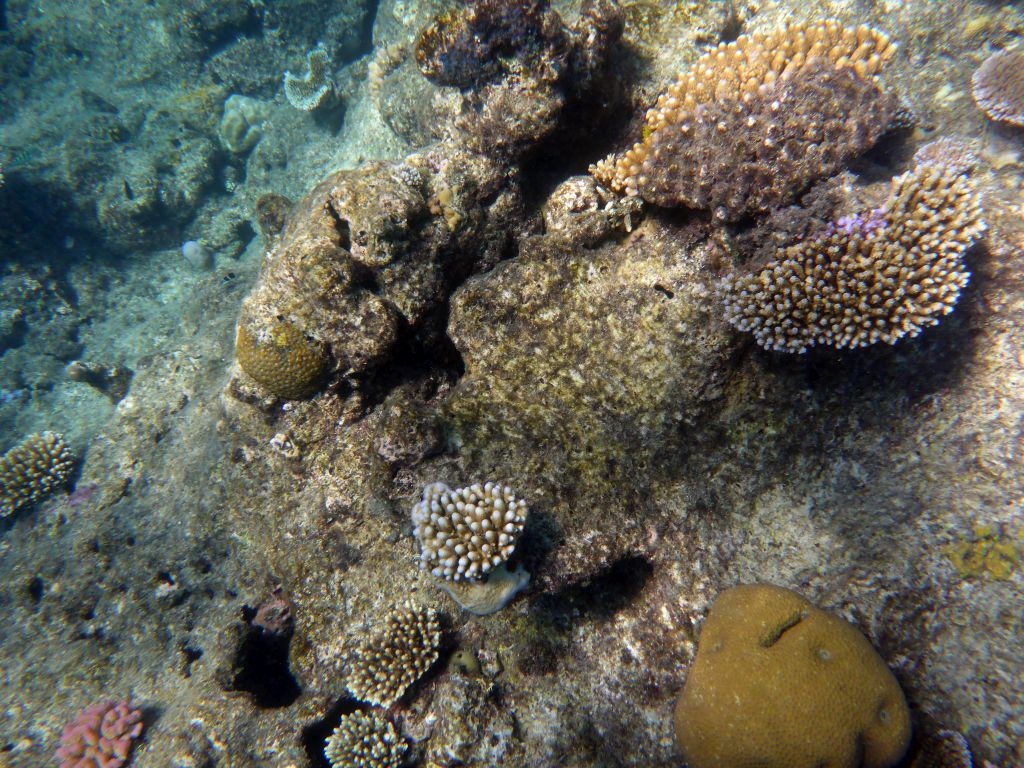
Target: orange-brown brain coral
[755, 121]
[779, 683]
[281, 358]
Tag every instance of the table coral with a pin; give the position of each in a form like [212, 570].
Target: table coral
[876, 277]
[32, 470]
[779, 683]
[365, 740]
[396, 656]
[101, 736]
[998, 86]
[755, 121]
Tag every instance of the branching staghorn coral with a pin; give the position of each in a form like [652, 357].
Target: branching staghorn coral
[869, 278]
[365, 740]
[755, 121]
[396, 656]
[32, 470]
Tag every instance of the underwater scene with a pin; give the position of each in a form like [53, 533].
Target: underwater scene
[519, 383]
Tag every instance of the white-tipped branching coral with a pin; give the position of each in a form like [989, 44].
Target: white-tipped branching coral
[466, 535]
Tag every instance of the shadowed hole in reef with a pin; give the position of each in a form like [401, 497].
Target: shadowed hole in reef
[545, 638]
[261, 665]
[315, 735]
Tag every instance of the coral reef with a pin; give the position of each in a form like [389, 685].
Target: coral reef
[365, 740]
[878, 277]
[755, 121]
[780, 683]
[309, 91]
[986, 552]
[32, 470]
[466, 532]
[396, 656]
[998, 86]
[101, 736]
[281, 358]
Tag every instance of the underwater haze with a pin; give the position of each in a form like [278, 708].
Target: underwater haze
[521, 383]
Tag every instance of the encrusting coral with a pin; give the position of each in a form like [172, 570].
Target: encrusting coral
[755, 121]
[32, 470]
[998, 86]
[779, 683]
[873, 277]
[396, 656]
[466, 536]
[101, 736]
[281, 358]
[365, 740]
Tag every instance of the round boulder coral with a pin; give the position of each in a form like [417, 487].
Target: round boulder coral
[282, 359]
[779, 683]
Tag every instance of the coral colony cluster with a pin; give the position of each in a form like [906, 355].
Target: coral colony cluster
[368, 261]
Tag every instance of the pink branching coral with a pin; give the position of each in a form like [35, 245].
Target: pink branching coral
[101, 736]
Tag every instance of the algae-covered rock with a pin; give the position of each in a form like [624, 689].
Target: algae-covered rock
[779, 683]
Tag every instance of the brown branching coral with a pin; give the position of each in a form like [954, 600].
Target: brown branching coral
[32, 470]
[396, 656]
[998, 86]
[365, 740]
[757, 120]
[869, 278]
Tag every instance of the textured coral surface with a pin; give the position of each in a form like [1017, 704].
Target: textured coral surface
[487, 311]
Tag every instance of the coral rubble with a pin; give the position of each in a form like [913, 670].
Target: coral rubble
[32, 470]
[396, 656]
[873, 278]
[780, 683]
[755, 121]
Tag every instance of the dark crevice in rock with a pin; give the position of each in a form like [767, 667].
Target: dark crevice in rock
[260, 664]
